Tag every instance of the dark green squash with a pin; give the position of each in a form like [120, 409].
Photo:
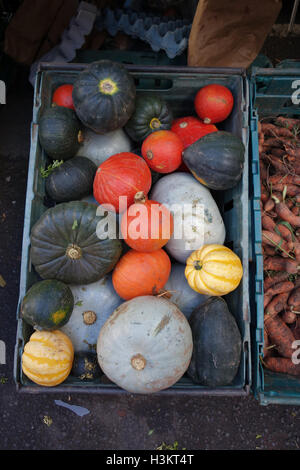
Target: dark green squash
[151, 114]
[72, 180]
[59, 132]
[217, 344]
[65, 245]
[47, 305]
[86, 366]
[216, 160]
[104, 96]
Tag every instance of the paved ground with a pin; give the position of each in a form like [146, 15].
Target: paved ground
[130, 422]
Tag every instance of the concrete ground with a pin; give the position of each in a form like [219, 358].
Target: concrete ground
[114, 423]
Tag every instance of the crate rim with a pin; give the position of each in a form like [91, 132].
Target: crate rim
[114, 390]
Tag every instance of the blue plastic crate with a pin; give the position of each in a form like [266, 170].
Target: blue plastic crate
[178, 86]
[270, 95]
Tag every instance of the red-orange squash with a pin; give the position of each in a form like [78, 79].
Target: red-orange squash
[123, 174]
[189, 129]
[213, 103]
[146, 225]
[138, 273]
[162, 150]
[62, 96]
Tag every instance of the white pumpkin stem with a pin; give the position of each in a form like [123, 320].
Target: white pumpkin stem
[138, 362]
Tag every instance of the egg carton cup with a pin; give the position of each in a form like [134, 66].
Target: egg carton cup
[159, 32]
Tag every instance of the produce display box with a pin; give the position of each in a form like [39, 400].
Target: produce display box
[177, 85]
[270, 95]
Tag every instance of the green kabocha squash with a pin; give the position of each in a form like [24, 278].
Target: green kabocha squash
[59, 133]
[217, 344]
[216, 160]
[72, 180]
[85, 366]
[47, 305]
[69, 244]
[151, 114]
[104, 96]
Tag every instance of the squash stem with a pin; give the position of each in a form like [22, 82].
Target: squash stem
[138, 362]
[74, 252]
[197, 265]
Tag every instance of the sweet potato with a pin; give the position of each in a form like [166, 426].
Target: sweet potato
[271, 280]
[288, 317]
[267, 349]
[285, 232]
[294, 151]
[290, 189]
[286, 214]
[288, 123]
[277, 263]
[281, 288]
[280, 335]
[269, 205]
[294, 299]
[277, 304]
[282, 365]
[264, 195]
[296, 329]
[270, 130]
[275, 240]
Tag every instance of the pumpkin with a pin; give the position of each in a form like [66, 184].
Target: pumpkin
[216, 160]
[99, 148]
[178, 291]
[186, 199]
[93, 304]
[47, 305]
[213, 103]
[104, 96]
[62, 96]
[151, 113]
[162, 151]
[72, 180]
[146, 225]
[59, 133]
[214, 270]
[69, 244]
[122, 175]
[146, 345]
[217, 344]
[47, 357]
[139, 273]
[86, 366]
[189, 129]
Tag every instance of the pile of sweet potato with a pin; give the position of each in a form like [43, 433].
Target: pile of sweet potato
[279, 150]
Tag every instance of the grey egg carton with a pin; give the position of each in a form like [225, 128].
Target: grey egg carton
[160, 32]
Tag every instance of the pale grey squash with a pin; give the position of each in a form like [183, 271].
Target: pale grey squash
[181, 193]
[99, 147]
[145, 345]
[93, 304]
[180, 293]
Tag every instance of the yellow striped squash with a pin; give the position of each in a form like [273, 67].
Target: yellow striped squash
[213, 270]
[48, 357]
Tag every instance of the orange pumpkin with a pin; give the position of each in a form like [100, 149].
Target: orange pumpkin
[139, 273]
[146, 225]
[162, 151]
